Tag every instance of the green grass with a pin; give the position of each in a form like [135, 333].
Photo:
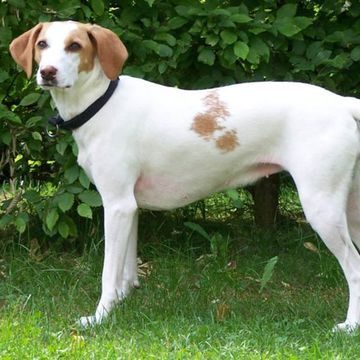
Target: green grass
[188, 307]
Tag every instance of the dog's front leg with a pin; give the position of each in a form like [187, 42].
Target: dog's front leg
[120, 220]
[130, 274]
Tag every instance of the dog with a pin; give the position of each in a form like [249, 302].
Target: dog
[156, 147]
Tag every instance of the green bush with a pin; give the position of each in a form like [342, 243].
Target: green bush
[190, 44]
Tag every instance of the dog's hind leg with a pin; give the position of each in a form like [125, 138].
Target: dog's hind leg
[353, 206]
[323, 193]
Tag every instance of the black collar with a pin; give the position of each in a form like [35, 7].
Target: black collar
[87, 114]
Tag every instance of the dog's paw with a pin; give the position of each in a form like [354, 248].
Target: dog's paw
[345, 327]
[126, 287]
[87, 321]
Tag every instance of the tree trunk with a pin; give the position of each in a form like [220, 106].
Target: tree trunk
[265, 194]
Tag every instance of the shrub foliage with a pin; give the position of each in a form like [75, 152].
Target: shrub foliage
[187, 43]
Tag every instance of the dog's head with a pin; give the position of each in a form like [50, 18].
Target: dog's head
[63, 50]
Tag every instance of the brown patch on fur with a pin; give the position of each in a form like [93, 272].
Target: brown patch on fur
[87, 52]
[216, 107]
[228, 141]
[205, 124]
[110, 50]
[41, 36]
[22, 48]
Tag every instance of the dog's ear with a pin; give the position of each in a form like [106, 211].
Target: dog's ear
[22, 48]
[110, 50]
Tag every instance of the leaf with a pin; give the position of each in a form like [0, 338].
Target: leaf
[5, 220]
[228, 37]
[151, 44]
[313, 49]
[9, 115]
[176, 22]
[36, 135]
[287, 10]
[74, 189]
[206, 56]
[258, 30]
[286, 26]
[91, 198]
[63, 229]
[241, 50]
[20, 224]
[302, 22]
[261, 48]
[291, 26]
[162, 67]
[160, 49]
[212, 39]
[72, 174]
[235, 198]
[6, 138]
[301, 64]
[97, 6]
[72, 226]
[85, 211]
[229, 56]
[170, 39]
[183, 10]
[164, 51]
[32, 196]
[33, 121]
[4, 75]
[61, 147]
[74, 149]
[150, 2]
[253, 56]
[355, 54]
[84, 180]
[65, 201]
[51, 218]
[30, 99]
[341, 61]
[240, 18]
[197, 228]
[268, 272]
[5, 36]
[221, 12]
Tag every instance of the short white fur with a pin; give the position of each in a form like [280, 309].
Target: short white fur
[141, 150]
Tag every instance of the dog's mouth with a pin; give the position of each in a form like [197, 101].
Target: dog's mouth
[47, 85]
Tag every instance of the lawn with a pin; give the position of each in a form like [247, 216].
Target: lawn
[194, 302]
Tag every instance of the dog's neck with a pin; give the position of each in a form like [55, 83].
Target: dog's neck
[87, 88]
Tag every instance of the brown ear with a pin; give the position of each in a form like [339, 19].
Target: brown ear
[22, 48]
[111, 51]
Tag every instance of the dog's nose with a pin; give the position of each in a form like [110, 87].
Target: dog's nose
[48, 73]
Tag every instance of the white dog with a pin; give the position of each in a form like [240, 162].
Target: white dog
[156, 147]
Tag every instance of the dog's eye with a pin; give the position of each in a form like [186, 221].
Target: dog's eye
[74, 46]
[42, 44]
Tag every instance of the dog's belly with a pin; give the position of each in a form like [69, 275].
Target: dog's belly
[165, 192]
